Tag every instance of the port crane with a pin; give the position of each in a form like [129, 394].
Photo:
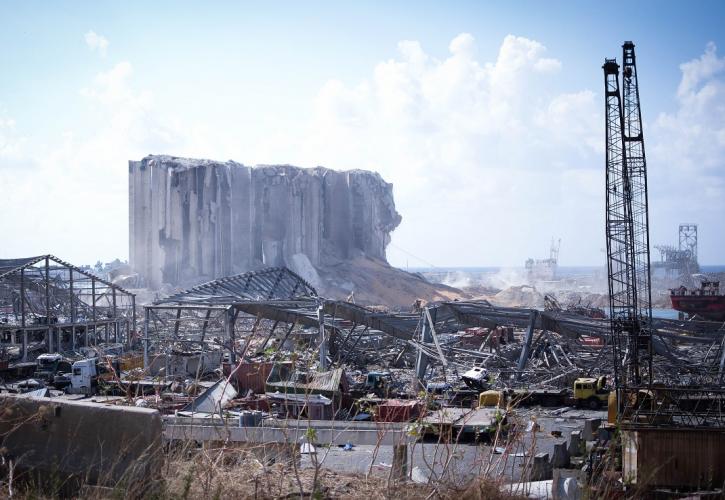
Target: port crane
[627, 227]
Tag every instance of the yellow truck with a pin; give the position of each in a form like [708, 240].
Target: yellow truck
[591, 392]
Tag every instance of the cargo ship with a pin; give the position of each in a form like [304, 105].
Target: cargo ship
[706, 302]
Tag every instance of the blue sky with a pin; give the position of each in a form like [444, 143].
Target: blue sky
[487, 117]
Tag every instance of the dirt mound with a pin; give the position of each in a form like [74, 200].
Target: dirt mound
[373, 281]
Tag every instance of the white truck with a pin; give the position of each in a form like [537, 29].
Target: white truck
[84, 377]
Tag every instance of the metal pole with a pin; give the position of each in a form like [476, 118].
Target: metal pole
[22, 297]
[22, 314]
[344, 342]
[229, 327]
[25, 345]
[93, 298]
[524, 358]
[286, 336]
[354, 345]
[323, 341]
[269, 336]
[204, 325]
[433, 333]
[49, 334]
[115, 317]
[176, 323]
[72, 310]
[421, 364]
[146, 338]
[133, 312]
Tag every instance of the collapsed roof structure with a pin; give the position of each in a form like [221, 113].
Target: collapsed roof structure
[246, 313]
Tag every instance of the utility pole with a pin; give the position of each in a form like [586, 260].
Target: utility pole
[323, 340]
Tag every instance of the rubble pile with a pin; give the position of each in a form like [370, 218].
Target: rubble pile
[253, 355]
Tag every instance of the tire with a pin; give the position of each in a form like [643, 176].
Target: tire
[593, 403]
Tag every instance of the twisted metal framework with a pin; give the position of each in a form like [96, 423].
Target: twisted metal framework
[45, 300]
[189, 319]
[266, 284]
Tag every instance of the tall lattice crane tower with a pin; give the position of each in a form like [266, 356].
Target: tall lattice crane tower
[637, 170]
[627, 225]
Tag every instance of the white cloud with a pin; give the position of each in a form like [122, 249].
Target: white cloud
[688, 152]
[484, 156]
[97, 43]
[9, 143]
[79, 187]
[547, 65]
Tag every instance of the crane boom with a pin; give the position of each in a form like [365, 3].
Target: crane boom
[619, 229]
[636, 163]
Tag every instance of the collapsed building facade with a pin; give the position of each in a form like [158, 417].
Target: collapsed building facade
[49, 305]
[196, 220]
[524, 347]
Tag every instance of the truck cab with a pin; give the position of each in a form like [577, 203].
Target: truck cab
[84, 378]
[591, 392]
[48, 365]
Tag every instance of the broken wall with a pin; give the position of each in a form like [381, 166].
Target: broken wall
[195, 220]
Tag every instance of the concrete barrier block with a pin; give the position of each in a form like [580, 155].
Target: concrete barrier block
[111, 446]
[560, 457]
[590, 428]
[575, 444]
[565, 485]
[540, 468]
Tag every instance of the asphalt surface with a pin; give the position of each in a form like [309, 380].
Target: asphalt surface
[460, 462]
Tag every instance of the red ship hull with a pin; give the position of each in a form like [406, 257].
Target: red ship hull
[709, 307]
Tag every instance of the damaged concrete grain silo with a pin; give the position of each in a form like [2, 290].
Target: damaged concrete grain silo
[194, 220]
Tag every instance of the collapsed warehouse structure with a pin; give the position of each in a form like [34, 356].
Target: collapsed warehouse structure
[263, 345]
[291, 351]
[48, 305]
[246, 315]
